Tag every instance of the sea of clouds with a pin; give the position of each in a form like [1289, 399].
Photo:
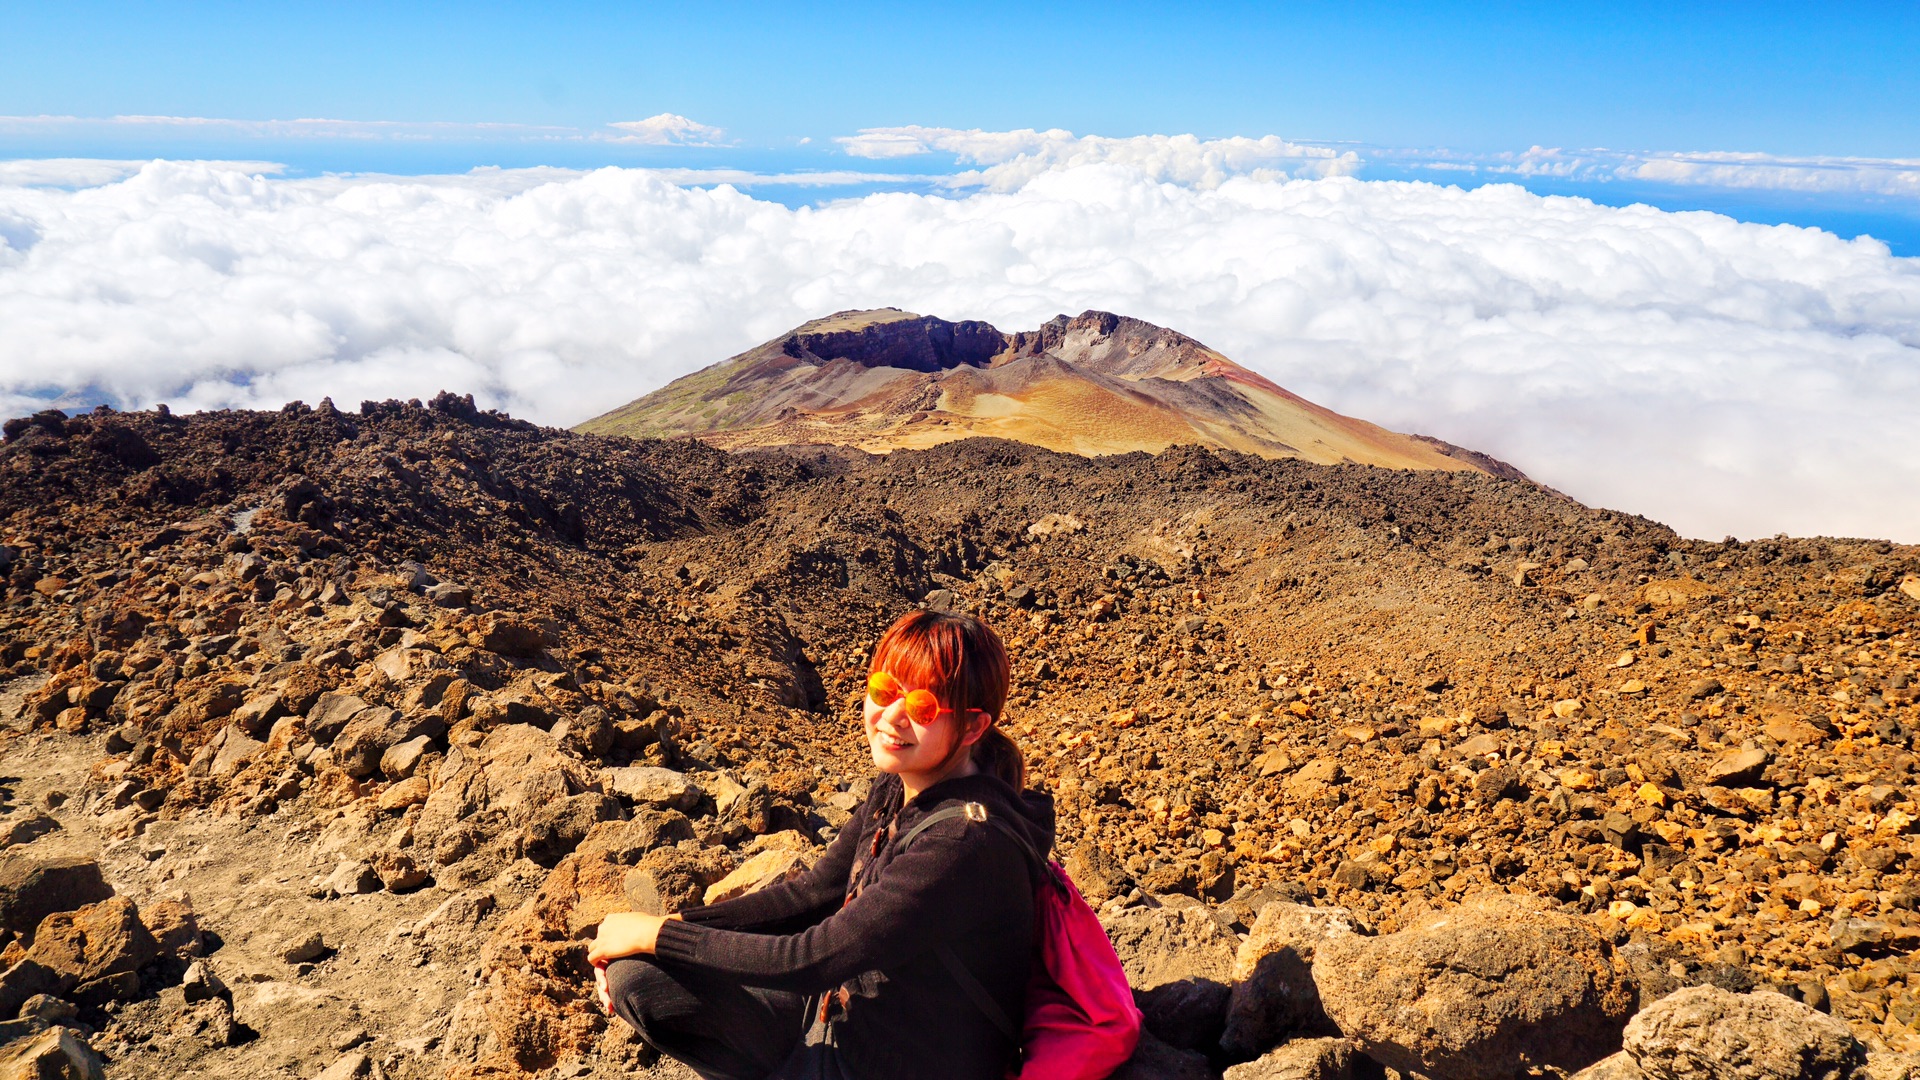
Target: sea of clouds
[1718, 376]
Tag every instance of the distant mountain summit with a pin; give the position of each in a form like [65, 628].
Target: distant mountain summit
[1095, 383]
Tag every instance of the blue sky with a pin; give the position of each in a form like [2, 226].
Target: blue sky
[1780, 78]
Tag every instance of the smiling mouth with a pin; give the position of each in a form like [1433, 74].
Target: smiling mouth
[893, 744]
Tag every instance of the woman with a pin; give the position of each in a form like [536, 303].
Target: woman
[874, 963]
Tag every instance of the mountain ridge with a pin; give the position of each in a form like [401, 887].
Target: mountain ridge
[1092, 384]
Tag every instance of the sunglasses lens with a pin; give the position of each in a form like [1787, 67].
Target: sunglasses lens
[922, 706]
[883, 688]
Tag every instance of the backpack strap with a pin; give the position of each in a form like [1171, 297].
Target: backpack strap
[955, 966]
[977, 993]
[972, 811]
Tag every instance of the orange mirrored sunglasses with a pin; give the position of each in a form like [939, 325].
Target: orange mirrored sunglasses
[884, 690]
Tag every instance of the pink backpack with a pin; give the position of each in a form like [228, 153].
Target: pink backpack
[1081, 1022]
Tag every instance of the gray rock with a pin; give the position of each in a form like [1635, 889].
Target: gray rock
[1856, 935]
[1706, 1033]
[589, 733]
[256, 717]
[1188, 1013]
[1178, 959]
[1301, 1059]
[662, 789]
[24, 981]
[33, 888]
[559, 827]
[330, 714]
[449, 595]
[1159, 945]
[626, 841]
[1274, 995]
[1486, 991]
[1097, 875]
[668, 879]
[1155, 1060]
[200, 983]
[1704, 688]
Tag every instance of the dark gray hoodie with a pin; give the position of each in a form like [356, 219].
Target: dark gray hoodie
[860, 928]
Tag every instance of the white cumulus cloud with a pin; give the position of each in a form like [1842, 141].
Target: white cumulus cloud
[93, 172]
[1720, 376]
[1729, 170]
[1010, 159]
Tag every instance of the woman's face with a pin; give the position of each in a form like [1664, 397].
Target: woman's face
[900, 745]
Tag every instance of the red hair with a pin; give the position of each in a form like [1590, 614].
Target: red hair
[963, 662]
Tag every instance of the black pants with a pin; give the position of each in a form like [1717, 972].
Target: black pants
[717, 1027]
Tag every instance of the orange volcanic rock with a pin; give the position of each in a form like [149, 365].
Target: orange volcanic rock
[1093, 384]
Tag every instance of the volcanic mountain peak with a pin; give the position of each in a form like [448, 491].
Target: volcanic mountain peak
[1094, 383]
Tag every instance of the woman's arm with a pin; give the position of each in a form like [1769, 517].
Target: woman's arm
[811, 895]
[932, 892]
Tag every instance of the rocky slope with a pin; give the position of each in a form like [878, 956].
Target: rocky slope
[332, 735]
[1092, 384]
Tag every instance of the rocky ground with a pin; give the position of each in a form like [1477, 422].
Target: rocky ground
[332, 735]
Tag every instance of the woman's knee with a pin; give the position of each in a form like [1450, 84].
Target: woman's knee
[642, 992]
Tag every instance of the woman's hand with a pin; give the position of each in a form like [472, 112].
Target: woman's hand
[625, 933]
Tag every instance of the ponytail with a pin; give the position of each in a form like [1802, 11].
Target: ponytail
[996, 753]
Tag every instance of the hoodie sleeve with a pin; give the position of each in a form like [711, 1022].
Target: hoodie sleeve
[952, 878]
[810, 896]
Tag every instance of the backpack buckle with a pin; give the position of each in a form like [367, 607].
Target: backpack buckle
[976, 812]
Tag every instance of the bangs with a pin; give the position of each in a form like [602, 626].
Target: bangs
[960, 659]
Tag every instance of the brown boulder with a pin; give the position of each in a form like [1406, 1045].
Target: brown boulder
[368, 735]
[558, 827]
[33, 888]
[398, 872]
[54, 1054]
[514, 773]
[330, 713]
[1741, 768]
[669, 879]
[175, 928]
[1300, 1059]
[508, 637]
[1483, 992]
[96, 944]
